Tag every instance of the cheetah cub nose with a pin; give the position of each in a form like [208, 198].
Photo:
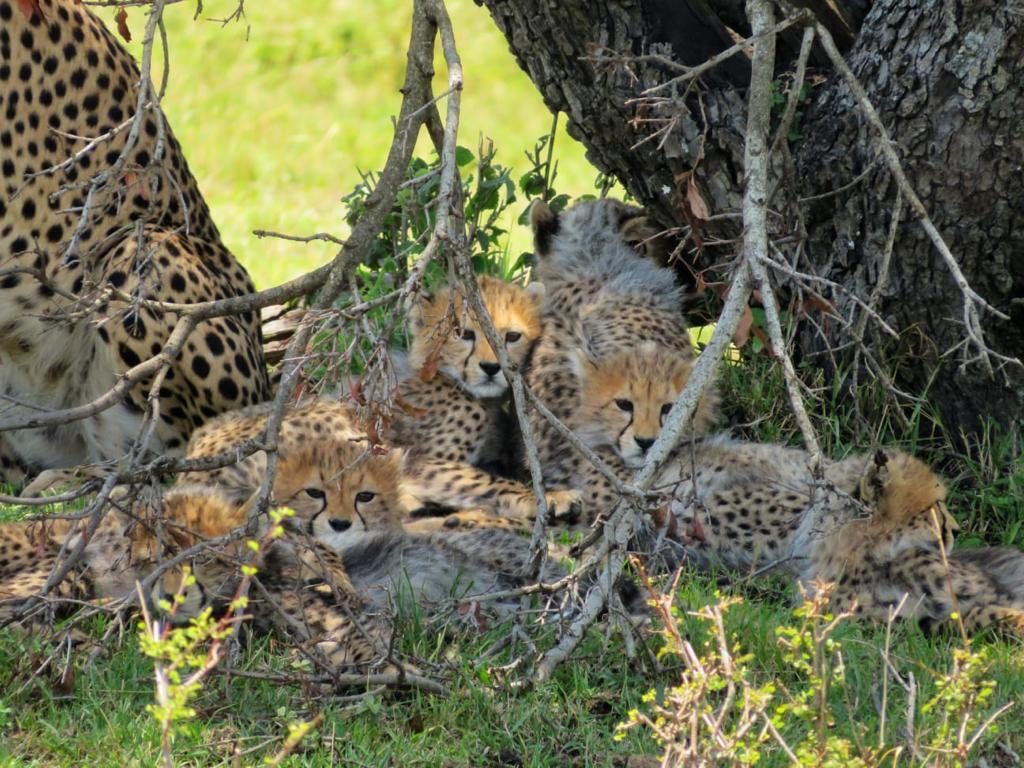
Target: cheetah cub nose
[339, 525]
[490, 368]
[644, 443]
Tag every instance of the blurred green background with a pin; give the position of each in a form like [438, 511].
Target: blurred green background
[278, 112]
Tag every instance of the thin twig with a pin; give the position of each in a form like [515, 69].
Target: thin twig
[974, 304]
[625, 520]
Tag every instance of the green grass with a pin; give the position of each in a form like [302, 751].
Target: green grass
[278, 114]
[570, 721]
[103, 722]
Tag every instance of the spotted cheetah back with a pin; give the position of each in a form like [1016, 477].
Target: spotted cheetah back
[145, 232]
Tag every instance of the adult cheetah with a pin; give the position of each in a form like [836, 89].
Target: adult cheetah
[98, 210]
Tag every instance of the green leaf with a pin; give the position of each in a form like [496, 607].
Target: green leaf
[463, 157]
[532, 184]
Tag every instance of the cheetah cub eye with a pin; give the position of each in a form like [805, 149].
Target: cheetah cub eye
[315, 493]
[364, 497]
[466, 334]
[512, 337]
[624, 405]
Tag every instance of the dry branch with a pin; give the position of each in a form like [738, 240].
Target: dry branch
[973, 304]
[625, 521]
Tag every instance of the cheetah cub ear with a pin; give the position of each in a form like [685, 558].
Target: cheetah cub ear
[636, 230]
[536, 292]
[545, 225]
[875, 479]
[900, 487]
[645, 237]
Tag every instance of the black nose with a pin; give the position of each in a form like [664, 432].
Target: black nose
[339, 525]
[644, 443]
[490, 368]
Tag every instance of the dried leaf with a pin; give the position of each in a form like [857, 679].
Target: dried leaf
[473, 612]
[121, 17]
[355, 391]
[413, 410]
[373, 435]
[695, 532]
[813, 304]
[429, 369]
[136, 184]
[695, 200]
[761, 336]
[665, 520]
[742, 335]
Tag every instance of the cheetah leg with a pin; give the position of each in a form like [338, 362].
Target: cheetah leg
[17, 590]
[1006, 618]
[454, 484]
[309, 597]
[50, 479]
[349, 639]
[26, 543]
[464, 520]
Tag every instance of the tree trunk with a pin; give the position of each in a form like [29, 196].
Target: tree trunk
[948, 83]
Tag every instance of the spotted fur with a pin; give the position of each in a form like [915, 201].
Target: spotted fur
[147, 233]
[875, 525]
[454, 394]
[614, 351]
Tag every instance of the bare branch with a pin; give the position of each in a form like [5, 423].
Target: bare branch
[624, 521]
[974, 304]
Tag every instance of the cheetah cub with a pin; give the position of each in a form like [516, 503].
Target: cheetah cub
[614, 351]
[323, 456]
[422, 483]
[454, 421]
[455, 387]
[332, 493]
[896, 558]
[321, 584]
[430, 564]
[876, 525]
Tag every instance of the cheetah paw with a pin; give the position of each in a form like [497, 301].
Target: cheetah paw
[565, 506]
[463, 520]
[50, 479]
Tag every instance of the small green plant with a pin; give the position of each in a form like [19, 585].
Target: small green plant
[780, 94]
[487, 191]
[184, 656]
[732, 708]
[714, 715]
[957, 705]
[810, 649]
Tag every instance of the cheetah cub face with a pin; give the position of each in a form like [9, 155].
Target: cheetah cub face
[625, 398]
[907, 502]
[339, 493]
[447, 337]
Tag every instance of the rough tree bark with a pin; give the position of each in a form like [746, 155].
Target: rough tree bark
[948, 82]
